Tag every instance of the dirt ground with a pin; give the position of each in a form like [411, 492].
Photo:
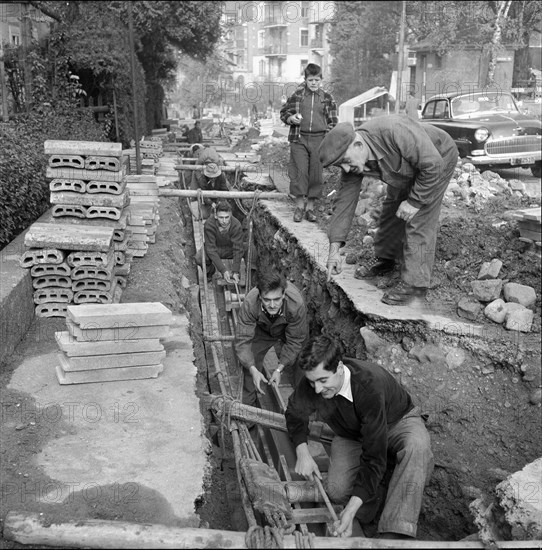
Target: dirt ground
[472, 454]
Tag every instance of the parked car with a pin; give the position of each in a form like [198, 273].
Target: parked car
[488, 128]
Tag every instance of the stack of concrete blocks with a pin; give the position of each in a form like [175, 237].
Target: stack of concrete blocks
[87, 179]
[151, 151]
[94, 195]
[144, 217]
[70, 263]
[530, 224]
[106, 343]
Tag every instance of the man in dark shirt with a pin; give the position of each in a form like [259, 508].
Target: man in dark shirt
[416, 161]
[223, 240]
[194, 135]
[272, 315]
[372, 415]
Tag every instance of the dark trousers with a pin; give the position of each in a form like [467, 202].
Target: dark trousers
[305, 168]
[414, 242]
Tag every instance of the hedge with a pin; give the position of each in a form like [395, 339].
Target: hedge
[24, 191]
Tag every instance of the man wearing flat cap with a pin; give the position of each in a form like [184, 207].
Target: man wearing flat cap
[211, 178]
[416, 161]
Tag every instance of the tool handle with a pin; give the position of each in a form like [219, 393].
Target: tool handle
[325, 497]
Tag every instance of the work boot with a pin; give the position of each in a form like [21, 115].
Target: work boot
[402, 294]
[298, 215]
[310, 215]
[374, 268]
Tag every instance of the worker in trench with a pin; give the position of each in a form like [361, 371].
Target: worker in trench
[416, 161]
[224, 239]
[373, 418]
[273, 315]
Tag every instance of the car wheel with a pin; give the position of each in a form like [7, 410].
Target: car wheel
[536, 170]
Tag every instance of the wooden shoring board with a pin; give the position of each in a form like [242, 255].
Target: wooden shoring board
[210, 319]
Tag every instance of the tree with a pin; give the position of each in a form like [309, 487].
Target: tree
[362, 42]
[447, 25]
[163, 30]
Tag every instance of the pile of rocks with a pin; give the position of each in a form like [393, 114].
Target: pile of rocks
[473, 187]
[514, 309]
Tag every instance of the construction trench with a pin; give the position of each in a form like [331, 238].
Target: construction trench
[464, 405]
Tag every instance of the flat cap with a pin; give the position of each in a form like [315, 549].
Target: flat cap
[335, 143]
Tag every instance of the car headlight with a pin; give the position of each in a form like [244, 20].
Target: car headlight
[481, 134]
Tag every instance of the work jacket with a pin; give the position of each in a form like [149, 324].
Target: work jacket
[321, 102]
[290, 327]
[410, 155]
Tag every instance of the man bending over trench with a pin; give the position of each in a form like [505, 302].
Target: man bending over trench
[372, 416]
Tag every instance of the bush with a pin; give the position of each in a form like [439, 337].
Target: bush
[23, 186]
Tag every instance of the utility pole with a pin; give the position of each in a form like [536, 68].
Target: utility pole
[400, 57]
[134, 97]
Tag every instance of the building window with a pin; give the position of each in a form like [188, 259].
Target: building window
[261, 39]
[304, 12]
[304, 63]
[304, 37]
[261, 68]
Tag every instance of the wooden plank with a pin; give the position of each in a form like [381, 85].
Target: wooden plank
[313, 515]
[69, 237]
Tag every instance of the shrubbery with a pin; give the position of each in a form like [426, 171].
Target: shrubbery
[24, 190]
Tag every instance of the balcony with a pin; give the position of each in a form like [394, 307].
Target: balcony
[275, 50]
[317, 44]
[274, 23]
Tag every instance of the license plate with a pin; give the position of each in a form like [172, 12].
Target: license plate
[522, 160]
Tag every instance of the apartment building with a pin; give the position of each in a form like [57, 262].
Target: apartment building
[269, 44]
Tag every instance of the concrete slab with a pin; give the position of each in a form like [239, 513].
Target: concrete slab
[136, 435]
[72, 347]
[111, 361]
[90, 199]
[121, 315]
[86, 175]
[105, 149]
[117, 374]
[69, 237]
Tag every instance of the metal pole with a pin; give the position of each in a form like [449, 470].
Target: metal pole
[115, 113]
[132, 63]
[400, 58]
[162, 192]
[25, 44]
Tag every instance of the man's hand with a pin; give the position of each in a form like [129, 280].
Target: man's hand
[406, 211]
[275, 377]
[258, 377]
[236, 278]
[305, 465]
[295, 120]
[227, 277]
[334, 264]
[343, 528]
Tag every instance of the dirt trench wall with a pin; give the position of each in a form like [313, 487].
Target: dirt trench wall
[483, 419]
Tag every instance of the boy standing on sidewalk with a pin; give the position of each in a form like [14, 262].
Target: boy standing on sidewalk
[310, 112]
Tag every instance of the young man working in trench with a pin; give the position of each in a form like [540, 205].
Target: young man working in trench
[372, 416]
[416, 161]
[273, 314]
